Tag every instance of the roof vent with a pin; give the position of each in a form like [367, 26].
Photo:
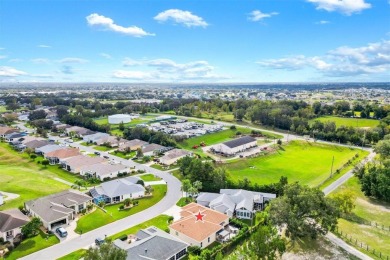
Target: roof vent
[146, 250]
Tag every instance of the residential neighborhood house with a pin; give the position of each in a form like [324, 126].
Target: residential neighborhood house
[154, 244]
[173, 156]
[11, 223]
[58, 209]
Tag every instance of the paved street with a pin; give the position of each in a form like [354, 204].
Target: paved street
[169, 201]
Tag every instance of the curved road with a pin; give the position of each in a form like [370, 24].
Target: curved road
[172, 196]
[87, 239]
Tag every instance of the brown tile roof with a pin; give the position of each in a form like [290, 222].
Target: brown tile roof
[199, 230]
[64, 153]
[4, 130]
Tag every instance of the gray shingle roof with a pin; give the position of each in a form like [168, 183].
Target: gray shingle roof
[119, 187]
[55, 206]
[239, 141]
[159, 245]
[36, 143]
[11, 219]
[49, 148]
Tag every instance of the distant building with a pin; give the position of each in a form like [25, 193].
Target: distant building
[235, 146]
[132, 145]
[103, 170]
[173, 156]
[119, 118]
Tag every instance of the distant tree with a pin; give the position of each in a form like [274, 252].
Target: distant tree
[139, 154]
[239, 114]
[127, 202]
[304, 211]
[31, 228]
[62, 111]
[233, 127]
[383, 148]
[38, 114]
[265, 243]
[186, 185]
[33, 156]
[345, 201]
[279, 142]
[104, 252]
[45, 162]
[80, 183]
[13, 106]
[121, 126]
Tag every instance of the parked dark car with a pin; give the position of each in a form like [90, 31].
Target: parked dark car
[105, 157]
[99, 241]
[97, 153]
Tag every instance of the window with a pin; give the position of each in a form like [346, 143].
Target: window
[208, 240]
[201, 244]
[177, 233]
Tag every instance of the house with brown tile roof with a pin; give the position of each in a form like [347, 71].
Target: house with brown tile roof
[132, 145]
[199, 226]
[54, 157]
[5, 130]
[173, 156]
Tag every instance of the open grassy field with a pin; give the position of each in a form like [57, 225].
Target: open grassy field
[33, 244]
[366, 210]
[24, 177]
[346, 121]
[308, 163]
[99, 218]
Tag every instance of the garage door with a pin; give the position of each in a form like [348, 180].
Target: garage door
[58, 223]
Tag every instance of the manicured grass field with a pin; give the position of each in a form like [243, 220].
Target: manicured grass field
[26, 178]
[212, 138]
[33, 244]
[366, 210]
[99, 218]
[125, 155]
[76, 255]
[308, 163]
[102, 148]
[346, 121]
[149, 177]
[3, 109]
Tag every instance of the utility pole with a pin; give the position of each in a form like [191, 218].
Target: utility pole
[331, 169]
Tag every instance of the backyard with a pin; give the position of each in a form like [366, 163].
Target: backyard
[347, 121]
[28, 179]
[99, 218]
[356, 225]
[308, 163]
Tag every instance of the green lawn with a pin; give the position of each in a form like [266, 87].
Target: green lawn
[160, 222]
[366, 210]
[99, 218]
[26, 178]
[212, 138]
[346, 121]
[164, 168]
[31, 245]
[183, 201]
[149, 177]
[3, 109]
[76, 255]
[102, 148]
[125, 155]
[305, 162]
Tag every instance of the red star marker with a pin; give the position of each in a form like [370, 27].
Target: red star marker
[199, 216]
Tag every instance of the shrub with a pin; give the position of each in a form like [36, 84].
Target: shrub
[170, 219]
[194, 250]
[1, 240]
[238, 133]
[121, 207]
[106, 178]
[233, 127]
[123, 237]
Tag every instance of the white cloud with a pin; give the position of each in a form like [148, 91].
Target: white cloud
[107, 23]
[43, 46]
[10, 72]
[15, 60]
[322, 22]
[105, 55]
[343, 61]
[3, 57]
[137, 75]
[257, 15]
[169, 70]
[181, 17]
[72, 60]
[128, 62]
[347, 7]
[40, 61]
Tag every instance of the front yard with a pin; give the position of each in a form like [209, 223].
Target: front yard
[149, 177]
[99, 218]
[33, 244]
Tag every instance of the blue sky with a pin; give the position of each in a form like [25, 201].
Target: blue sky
[195, 41]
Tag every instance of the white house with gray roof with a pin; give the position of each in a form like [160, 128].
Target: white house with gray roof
[103, 170]
[241, 203]
[11, 223]
[235, 146]
[118, 190]
[154, 244]
[47, 149]
[93, 138]
[58, 209]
